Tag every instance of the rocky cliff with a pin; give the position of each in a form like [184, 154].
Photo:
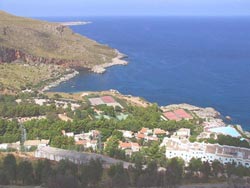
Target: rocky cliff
[31, 40]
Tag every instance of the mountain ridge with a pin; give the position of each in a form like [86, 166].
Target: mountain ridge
[31, 40]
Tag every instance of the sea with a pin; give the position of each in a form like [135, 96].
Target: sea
[203, 61]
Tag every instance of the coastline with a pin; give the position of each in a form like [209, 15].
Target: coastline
[74, 23]
[118, 60]
[98, 69]
[64, 78]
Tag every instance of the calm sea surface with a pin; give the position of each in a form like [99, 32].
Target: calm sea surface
[201, 61]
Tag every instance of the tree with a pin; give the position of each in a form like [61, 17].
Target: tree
[25, 172]
[118, 175]
[155, 152]
[65, 167]
[62, 141]
[174, 171]
[112, 146]
[230, 168]
[10, 167]
[91, 173]
[136, 170]
[63, 181]
[149, 177]
[217, 168]
[3, 178]
[42, 171]
[206, 169]
[195, 166]
[118, 134]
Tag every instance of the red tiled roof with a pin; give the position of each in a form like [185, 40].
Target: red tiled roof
[139, 135]
[125, 145]
[182, 114]
[81, 142]
[143, 130]
[171, 116]
[108, 99]
[159, 131]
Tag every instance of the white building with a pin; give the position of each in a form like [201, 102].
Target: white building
[35, 143]
[206, 152]
[183, 132]
[127, 134]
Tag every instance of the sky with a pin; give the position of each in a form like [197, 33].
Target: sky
[47, 8]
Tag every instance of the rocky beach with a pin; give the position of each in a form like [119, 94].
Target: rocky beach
[64, 78]
[118, 60]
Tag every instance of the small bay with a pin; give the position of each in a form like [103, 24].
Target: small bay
[204, 61]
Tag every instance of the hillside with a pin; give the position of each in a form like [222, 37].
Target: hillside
[30, 40]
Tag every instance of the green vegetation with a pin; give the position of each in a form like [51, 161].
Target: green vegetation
[151, 168]
[9, 131]
[19, 76]
[49, 41]
[65, 174]
[228, 140]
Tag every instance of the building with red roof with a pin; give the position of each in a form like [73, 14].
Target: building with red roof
[135, 147]
[158, 131]
[140, 136]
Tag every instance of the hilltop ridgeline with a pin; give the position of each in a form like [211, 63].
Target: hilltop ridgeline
[29, 40]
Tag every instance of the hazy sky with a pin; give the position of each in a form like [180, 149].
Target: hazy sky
[38, 8]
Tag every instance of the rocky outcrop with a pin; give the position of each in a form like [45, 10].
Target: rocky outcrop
[35, 41]
[8, 55]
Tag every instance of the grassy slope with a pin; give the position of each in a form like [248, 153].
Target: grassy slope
[44, 39]
[16, 75]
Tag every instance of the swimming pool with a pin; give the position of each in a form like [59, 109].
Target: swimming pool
[229, 130]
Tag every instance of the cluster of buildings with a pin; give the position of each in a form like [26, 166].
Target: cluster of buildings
[87, 140]
[144, 134]
[28, 144]
[206, 152]
[178, 145]
[63, 103]
[129, 147]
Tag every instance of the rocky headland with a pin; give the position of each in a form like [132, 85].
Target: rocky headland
[29, 41]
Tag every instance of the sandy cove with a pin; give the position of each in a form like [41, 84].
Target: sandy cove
[118, 60]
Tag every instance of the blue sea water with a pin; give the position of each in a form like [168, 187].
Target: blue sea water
[203, 61]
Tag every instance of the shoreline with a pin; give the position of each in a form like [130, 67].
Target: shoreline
[98, 69]
[57, 82]
[118, 60]
[74, 23]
